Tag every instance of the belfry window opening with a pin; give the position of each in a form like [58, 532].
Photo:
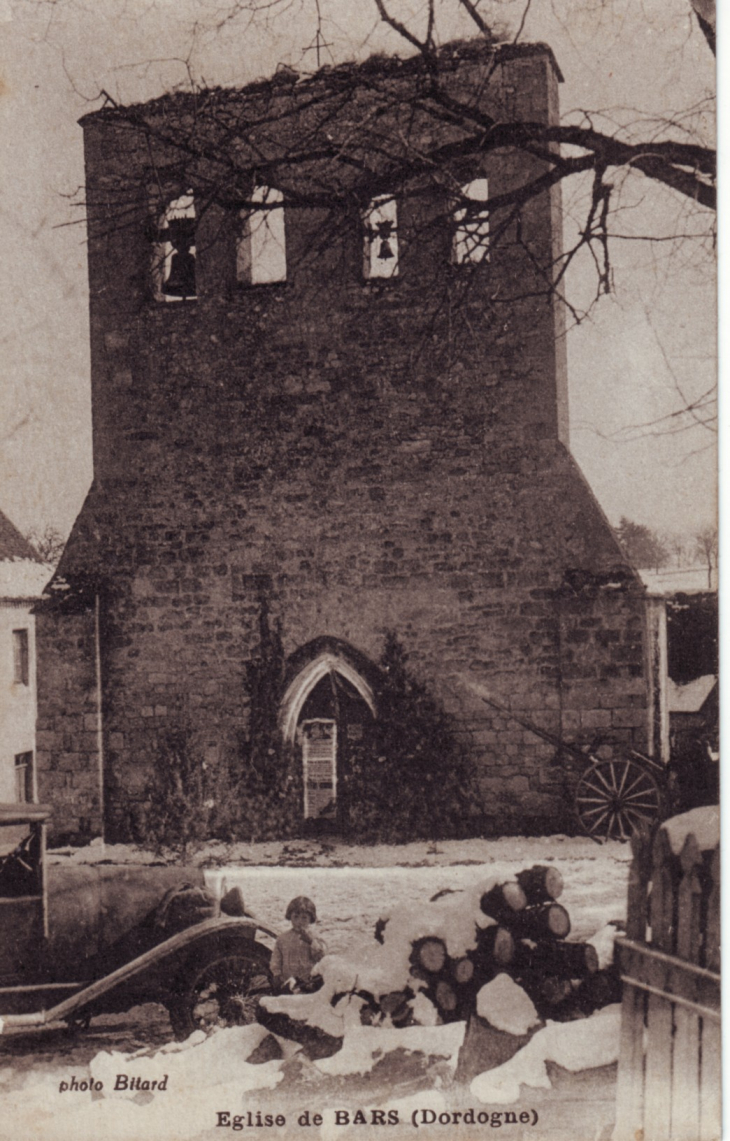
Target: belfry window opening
[174, 257]
[261, 246]
[380, 254]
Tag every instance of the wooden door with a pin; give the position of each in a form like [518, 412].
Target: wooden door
[319, 758]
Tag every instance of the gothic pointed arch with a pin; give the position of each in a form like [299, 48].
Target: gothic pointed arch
[328, 711]
[330, 659]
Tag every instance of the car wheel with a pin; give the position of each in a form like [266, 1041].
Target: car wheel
[222, 992]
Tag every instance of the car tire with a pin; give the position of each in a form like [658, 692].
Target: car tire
[220, 991]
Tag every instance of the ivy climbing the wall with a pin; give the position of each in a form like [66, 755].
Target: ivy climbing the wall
[413, 778]
[251, 790]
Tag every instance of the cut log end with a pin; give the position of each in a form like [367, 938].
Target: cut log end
[592, 962]
[558, 921]
[431, 955]
[504, 947]
[446, 997]
[495, 946]
[541, 883]
[553, 883]
[503, 900]
[514, 896]
[463, 970]
[547, 920]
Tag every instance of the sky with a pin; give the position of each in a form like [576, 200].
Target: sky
[643, 352]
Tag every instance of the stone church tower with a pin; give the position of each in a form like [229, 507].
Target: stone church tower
[328, 385]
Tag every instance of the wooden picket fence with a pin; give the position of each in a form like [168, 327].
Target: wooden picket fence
[669, 1075]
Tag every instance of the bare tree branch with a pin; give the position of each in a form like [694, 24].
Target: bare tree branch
[471, 8]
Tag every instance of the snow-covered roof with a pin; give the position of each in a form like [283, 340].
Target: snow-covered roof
[685, 580]
[22, 574]
[691, 697]
[22, 579]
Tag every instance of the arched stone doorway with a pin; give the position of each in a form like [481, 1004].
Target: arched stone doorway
[327, 711]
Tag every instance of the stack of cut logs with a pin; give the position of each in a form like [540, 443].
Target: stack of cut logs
[526, 940]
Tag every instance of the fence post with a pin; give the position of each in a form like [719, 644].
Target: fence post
[657, 1101]
[630, 1080]
[712, 927]
[710, 1073]
[639, 875]
[685, 1088]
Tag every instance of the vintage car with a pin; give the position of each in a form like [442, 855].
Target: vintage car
[81, 940]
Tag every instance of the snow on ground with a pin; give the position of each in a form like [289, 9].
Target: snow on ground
[316, 1009]
[506, 1006]
[335, 853]
[580, 1045]
[354, 884]
[352, 888]
[221, 1054]
[364, 1045]
[603, 941]
[350, 899]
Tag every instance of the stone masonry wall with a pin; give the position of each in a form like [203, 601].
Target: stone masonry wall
[67, 750]
[370, 456]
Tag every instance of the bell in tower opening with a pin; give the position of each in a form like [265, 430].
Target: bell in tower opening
[384, 232]
[381, 238]
[180, 281]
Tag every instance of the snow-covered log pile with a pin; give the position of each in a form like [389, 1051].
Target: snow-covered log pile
[520, 931]
[433, 963]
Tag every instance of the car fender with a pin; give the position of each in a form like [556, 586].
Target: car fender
[159, 971]
[154, 976]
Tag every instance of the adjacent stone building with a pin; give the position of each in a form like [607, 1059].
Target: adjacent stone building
[22, 578]
[328, 387]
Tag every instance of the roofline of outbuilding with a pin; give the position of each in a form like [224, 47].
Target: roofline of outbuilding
[285, 79]
[14, 545]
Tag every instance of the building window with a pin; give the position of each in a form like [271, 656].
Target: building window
[173, 258]
[21, 659]
[380, 254]
[471, 236]
[24, 777]
[261, 247]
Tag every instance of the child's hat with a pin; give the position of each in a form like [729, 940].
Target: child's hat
[302, 903]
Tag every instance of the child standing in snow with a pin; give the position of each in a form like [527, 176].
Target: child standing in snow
[297, 950]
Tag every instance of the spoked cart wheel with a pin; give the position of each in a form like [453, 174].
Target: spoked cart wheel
[615, 798]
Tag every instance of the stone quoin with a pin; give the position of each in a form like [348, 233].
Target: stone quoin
[349, 408]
